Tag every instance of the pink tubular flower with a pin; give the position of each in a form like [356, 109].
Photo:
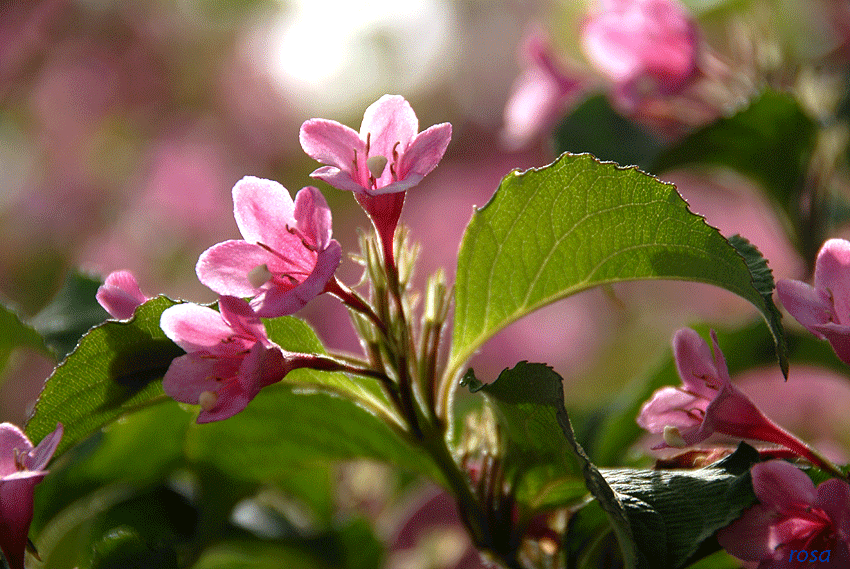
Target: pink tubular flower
[708, 403]
[230, 358]
[21, 468]
[794, 523]
[120, 295]
[824, 309]
[388, 155]
[643, 46]
[287, 256]
[379, 164]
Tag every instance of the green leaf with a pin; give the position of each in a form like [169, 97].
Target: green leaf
[257, 554]
[530, 400]
[555, 231]
[771, 141]
[113, 370]
[542, 472]
[297, 336]
[286, 427]
[71, 313]
[661, 518]
[595, 127]
[673, 512]
[14, 333]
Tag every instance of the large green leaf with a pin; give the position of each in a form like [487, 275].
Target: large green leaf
[113, 370]
[551, 232]
[673, 514]
[530, 400]
[542, 472]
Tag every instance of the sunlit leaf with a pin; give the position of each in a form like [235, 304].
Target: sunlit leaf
[555, 231]
[114, 369]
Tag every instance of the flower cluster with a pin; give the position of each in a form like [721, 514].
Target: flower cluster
[286, 257]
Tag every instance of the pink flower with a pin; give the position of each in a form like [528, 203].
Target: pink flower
[792, 516]
[708, 403]
[540, 93]
[120, 295]
[379, 164]
[388, 155]
[824, 309]
[21, 468]
[287, 256]
[643, 46]
[230, 358]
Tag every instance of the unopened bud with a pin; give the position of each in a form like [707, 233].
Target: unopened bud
[376, 165]
[673, 437]
[259, 275]
[207, 400]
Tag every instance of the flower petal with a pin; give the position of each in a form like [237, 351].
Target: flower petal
[262, 208]
[190, 375]
[38, 457]
[231, 400]
[330, 142]
[262, 367]
[278, 301]
[838, 337]
[313, 216]
[833, 497]
[750, 536]
[782, 486]
[12, 439]
[426, 150]
[120, 294]
[832, 273]
[198, 328]
[224, 267]
[339, 179]
[388, 120]
[668, 406]
[241, 318]
[695, 363]
[808, 305]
